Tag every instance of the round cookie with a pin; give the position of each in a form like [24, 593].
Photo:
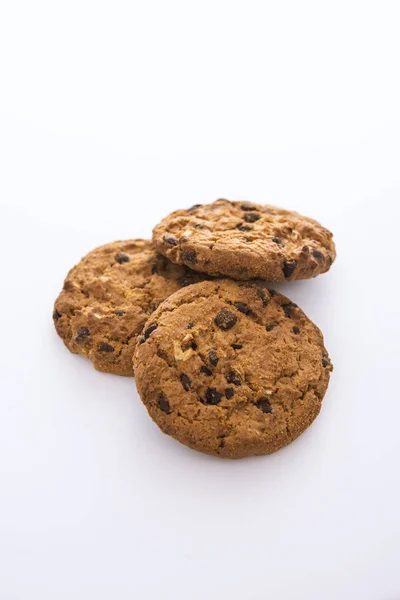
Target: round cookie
[246, 241]
[108, 297]
[231, 369]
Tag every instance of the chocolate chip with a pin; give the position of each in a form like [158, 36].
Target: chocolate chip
[288, 308]
[243, 308]
[264, 405]
[277, 240]
[270, 326]
[119, 313]
[242, 227]
[188, 342]
[56, 315]
[105, 347]
[225, 319]
[171, 240]
[213, 357]
[248, 206]
[122, 258]
[186, 382]
[194, 207]
[82, 334]
[325, 362]
[317, 254]
[289, 267]
[251, 217]
[296, 330]
[163, 404]
[206, 371]
[237, 346]
[212, 396]
[187, 279]
[189, 256]
[234, 378]
[263, 295]
[229, 393]
[149, 330]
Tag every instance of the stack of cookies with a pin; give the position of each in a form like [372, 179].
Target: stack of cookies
[223, 363]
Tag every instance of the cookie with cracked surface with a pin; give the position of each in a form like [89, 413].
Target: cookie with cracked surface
[232, 369]
[108, 297]
[246, 241]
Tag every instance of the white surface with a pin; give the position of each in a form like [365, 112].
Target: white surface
[111, 115]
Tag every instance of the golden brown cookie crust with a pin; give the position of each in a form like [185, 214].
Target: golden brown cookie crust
[246, 241]
[231, 369]
[108, 297]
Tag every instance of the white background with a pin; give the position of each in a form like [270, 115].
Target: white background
[112, 114]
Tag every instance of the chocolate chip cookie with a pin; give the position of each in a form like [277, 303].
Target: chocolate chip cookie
[231, 369]
[246, 241]
[108, 297]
